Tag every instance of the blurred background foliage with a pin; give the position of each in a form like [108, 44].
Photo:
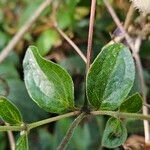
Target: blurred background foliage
[72, 17]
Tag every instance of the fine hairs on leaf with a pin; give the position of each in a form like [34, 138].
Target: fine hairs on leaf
[110, 77]
[132, 104]
[115, 133]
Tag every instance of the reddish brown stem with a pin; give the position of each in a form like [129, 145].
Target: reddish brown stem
[90, 36]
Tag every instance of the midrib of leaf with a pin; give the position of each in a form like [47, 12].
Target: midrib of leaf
[114, 70]
[12, 114]
[109, 76]
[44, 77]
[60, 82]
[9, 118]
[66, 95]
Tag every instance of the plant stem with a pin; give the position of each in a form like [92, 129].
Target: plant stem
[70, 132]
[119, 25]
[76, 48]
[45, 121]
[90, 36]
[11, 139]
[67, 115]
[142, 83]
[147, 105]
[89, 47]
[122, 115]
[129, 17]
[12, 128]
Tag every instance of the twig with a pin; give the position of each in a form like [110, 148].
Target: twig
[70, 132]
[11, 139]
[142, 83]
[122, 115]
[135, 49]
[76, 48]
[129, 17]
[90, 36]
[120, 26]
[147, 105]
[76, 113]
[53, 18]
[5, 52]
[45, 121]
[89, 46]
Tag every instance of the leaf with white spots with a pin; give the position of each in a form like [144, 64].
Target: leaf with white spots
[110, 77]
[49, 85]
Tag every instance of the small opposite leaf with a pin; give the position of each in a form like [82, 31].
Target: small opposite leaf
[110, 77]
[115, 133]
[9, 112]
[22, 142]
[132, 105]
[49, 85]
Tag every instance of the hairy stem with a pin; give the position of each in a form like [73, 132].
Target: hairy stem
[122, 115]
[45, 121]
[76, 48]
[12, 128]
[76, 113]
[70, 132]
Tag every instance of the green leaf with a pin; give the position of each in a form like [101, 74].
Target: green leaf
[9, 112]
[132, 105]
[22, 142]
[28, 108]
[49, 85]
[46, 40]
[110, 77]
[115, 133]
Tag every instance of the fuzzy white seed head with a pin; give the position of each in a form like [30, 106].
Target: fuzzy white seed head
[142, 5]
